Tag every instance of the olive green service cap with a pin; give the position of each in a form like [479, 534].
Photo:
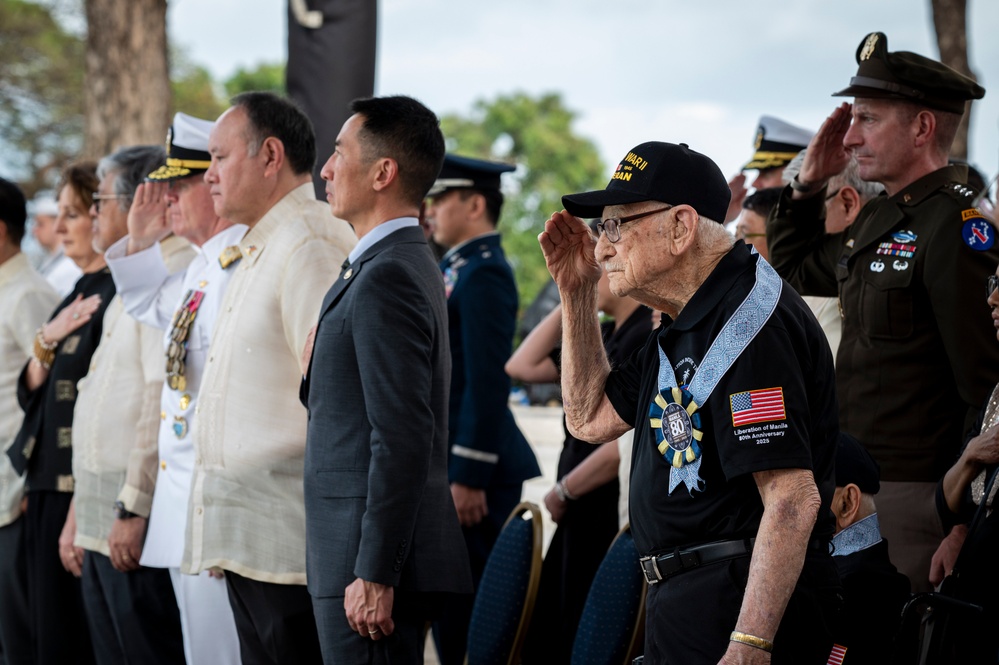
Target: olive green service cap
[908, 76]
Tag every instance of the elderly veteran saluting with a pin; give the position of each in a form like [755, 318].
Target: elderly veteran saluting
[915, 361]
[733, 409]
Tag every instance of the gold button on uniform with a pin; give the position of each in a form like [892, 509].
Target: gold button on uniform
[163, 465]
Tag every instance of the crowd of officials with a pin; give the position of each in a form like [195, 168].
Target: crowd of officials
[244, 426]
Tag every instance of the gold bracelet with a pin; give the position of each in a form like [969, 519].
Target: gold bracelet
[44, 353]
[40, 337]
[751, 640]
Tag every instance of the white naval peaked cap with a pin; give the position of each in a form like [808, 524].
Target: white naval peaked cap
[187, 148]
[777, 142]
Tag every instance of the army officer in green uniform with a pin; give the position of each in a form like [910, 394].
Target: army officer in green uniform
[916, 356]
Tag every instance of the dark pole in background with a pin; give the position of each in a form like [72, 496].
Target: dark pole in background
[331, 61]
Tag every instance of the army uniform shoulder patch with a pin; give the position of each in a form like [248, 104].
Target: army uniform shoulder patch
[977, 232]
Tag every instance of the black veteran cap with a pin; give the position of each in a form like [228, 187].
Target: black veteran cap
[777, 143]
[909, 76]
[663, 172]
[855, 465]
[467, 173]
[187, 149]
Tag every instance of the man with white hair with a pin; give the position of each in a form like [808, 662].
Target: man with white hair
[733, 408]
[130, 608]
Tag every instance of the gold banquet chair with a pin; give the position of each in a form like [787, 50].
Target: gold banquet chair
[505, 598]
[611, 628]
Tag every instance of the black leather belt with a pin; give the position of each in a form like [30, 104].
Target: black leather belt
[663, 566]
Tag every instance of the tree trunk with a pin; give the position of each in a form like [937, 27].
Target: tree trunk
[127, 83]
[950, 18]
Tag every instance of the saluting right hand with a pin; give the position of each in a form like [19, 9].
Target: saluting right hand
[569, 247]
[147, 220]
[827, 156]
[737, 185]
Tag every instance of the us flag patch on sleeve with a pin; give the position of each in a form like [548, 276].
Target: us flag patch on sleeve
[757, 406]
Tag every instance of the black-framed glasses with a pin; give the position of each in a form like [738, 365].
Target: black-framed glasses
[105, 197]
[991, 283]
[833, 194]
[612, 226]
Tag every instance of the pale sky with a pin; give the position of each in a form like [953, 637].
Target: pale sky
[671, 70]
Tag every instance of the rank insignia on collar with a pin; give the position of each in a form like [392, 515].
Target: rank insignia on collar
[229, 256]
[674, 418]
[978, 234]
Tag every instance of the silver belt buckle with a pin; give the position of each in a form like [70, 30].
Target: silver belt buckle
[650, 566]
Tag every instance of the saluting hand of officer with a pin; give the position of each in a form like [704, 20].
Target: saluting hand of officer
[569, 247]
[147, 219]
[827, 156]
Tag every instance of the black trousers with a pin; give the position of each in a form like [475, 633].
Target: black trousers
[410, 613]
[16, 631]
[133, 616]
[451, 631]
[275, 622]
[54, 596]
[690, 616]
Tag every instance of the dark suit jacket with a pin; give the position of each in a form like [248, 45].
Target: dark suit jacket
[377, 501]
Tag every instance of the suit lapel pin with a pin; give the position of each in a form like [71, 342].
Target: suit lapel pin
[350, 271]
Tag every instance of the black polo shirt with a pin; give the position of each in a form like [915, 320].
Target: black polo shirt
[789, 358]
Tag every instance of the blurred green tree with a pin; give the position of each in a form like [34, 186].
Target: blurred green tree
[41, 94]
[195, 92]
[265, 76]
[537, 135]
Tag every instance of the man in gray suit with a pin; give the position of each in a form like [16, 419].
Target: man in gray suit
[384, 548]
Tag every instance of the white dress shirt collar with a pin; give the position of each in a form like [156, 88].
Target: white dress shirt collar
[381, 231]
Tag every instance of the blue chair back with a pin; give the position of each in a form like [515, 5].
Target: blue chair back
[509, 585]
[611, 627]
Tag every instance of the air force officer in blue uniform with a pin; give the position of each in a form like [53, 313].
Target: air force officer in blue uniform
[489, 457]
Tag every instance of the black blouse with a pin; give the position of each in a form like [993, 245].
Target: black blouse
[44, 446]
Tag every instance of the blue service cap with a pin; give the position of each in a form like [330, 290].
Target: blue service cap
[468, 173]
